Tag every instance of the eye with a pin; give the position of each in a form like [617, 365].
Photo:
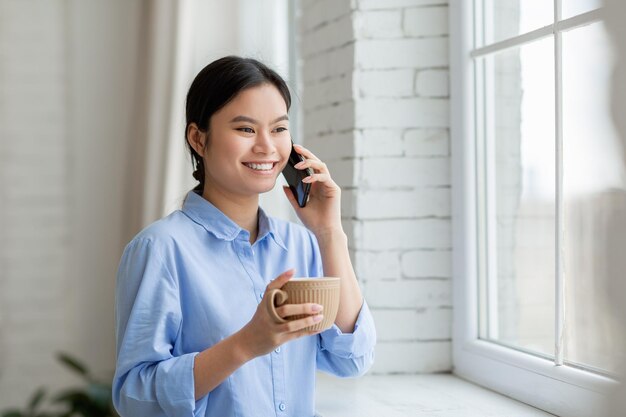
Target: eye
[246, 129]
[281, 129]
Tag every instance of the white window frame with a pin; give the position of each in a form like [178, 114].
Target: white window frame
[546, 384]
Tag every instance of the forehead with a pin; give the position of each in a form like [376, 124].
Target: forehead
[263, 103]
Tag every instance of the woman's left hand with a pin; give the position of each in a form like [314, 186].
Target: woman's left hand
[322, 213]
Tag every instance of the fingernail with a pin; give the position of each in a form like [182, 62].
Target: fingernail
[299, 165]
[316, 307]
[306, 179]
[318, 318]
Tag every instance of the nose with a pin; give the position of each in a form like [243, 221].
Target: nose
[264, 144]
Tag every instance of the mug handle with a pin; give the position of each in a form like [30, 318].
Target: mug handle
[275, 298]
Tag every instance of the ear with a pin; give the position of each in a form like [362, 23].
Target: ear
[196, 138]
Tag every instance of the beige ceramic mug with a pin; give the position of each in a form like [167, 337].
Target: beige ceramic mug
[323, 291]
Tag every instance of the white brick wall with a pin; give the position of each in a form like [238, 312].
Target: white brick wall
[376, 110]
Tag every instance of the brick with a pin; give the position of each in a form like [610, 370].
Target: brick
[402, 53]
[432, 83]
[426, 264]
[377, 266]
[426, 21]
[319, 12]
[394, 4]
[378, 143]
[412, 357]
[344, 172]
[427, 142]
[378, 24]
[427, 293]
[387, 204]
[330, 90]
[330, 36]
[385, 83]
[402, 112]
[420, 324]
[348, 203]
[405, 234]
[336, 145]
[405, 172]
[330, 64]
[329, 119]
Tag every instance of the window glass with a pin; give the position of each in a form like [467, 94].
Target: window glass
[519, 237]
[508, 18]
[571, 8]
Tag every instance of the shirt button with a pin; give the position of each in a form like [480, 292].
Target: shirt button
[282, 407]
[277, 350]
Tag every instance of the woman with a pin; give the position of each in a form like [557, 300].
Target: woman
[193, 338]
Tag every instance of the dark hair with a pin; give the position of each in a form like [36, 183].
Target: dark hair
[216, 85]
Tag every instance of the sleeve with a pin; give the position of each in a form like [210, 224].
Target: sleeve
[149, 380]
[348, 354]
[344, 354]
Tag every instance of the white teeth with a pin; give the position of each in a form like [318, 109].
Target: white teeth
[260, 167]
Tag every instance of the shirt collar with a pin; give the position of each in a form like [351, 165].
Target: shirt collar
[201, 211]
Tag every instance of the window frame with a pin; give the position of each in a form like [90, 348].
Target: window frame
[522, 376]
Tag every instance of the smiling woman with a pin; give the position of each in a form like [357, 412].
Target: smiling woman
[193, 336]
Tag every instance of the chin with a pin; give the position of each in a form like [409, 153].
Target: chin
[262, 189]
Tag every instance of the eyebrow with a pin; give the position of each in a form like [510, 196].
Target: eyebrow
[251, 120]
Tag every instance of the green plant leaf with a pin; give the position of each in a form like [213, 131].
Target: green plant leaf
[74, 364]
[100, 394]
[13, 413]
[36, 400]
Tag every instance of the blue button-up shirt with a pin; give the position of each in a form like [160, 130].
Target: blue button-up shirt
[192, 279]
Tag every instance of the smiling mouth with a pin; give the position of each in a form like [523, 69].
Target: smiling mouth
[261, 167]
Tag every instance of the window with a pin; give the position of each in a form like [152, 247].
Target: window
[538, 180]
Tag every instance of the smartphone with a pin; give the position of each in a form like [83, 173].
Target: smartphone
[294, 177]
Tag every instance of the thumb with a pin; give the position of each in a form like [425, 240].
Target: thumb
[282, 279]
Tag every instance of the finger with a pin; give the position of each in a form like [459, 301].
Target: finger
[316, 164]
[316, 178]
[305, 152]
[302, 333]
[296, 325]
[288, 310]
[279, 281]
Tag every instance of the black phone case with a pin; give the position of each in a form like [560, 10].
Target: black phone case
[294, 178]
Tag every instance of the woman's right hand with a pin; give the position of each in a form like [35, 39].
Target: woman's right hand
[262, 334]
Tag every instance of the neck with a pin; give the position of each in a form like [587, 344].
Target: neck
[243, 210]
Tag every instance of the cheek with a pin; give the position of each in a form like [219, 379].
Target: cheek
[284, 148]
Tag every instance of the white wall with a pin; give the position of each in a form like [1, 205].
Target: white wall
[66, 103]
[376, 110]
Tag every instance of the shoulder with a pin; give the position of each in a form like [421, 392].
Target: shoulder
[163, 233]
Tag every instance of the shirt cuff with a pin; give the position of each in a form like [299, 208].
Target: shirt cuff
[175, 386]
[351, 345]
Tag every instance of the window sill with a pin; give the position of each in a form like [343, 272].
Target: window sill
[436, 395]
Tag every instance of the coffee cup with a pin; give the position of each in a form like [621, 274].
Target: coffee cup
[323, 291]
